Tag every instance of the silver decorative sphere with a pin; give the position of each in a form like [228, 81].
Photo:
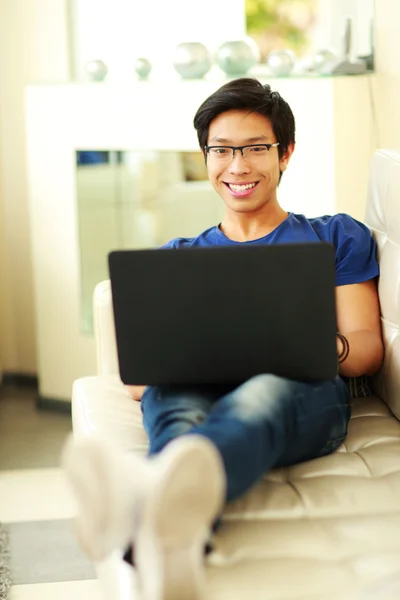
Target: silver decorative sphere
[237, 57]
[96, 70]
[192, 60]
[281, 62]
[143, 67]
[322, 58]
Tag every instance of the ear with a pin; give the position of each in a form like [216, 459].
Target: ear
[284, 161]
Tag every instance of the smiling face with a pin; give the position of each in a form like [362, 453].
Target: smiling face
[245, 185]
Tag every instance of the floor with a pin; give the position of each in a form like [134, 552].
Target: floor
[36, 505]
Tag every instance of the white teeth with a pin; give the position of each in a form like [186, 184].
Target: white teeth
[241, 188]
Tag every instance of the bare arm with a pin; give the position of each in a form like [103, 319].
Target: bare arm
[136, 391]
[358, 318]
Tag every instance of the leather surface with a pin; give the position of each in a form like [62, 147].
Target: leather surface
[106, 344]
[327, 529]
[383, 217]
[325, 526]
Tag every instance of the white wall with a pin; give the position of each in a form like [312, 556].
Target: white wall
[387, 88]
[33, 48]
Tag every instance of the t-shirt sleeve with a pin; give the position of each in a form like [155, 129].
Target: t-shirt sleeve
[169, 245]
[176, 243]
[355, 250]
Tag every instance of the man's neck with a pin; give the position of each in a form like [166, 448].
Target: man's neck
[246, 227]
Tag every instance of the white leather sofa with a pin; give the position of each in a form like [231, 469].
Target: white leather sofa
[328, 529]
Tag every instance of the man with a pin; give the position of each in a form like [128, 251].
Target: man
[210, 444]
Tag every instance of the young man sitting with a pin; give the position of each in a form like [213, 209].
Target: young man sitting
[210, 444]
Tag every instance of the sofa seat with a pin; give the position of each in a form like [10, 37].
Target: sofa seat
[327, 529]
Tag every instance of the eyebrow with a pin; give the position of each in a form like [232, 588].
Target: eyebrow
[258, 138]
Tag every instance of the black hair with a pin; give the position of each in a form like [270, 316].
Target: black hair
[247, 94]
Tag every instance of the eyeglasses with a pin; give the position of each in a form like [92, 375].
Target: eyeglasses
[225, 154]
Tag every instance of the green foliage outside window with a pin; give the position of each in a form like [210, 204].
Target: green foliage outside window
[281, 24]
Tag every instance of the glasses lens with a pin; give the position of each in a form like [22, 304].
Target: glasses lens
[254, 152]
[221, 153]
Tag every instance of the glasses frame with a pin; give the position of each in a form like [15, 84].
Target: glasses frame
[241, 148]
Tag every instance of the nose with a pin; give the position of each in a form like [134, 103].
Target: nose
[238, 164]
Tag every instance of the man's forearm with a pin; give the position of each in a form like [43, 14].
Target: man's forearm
[365, 358]
[365, 355]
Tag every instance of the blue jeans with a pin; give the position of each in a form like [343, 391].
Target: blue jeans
[266, 422]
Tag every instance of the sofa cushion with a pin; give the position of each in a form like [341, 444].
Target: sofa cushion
[323, 529]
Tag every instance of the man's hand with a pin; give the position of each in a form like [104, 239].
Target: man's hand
[358, 318]
[136, 391]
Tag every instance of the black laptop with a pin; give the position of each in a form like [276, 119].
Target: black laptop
[224, 314]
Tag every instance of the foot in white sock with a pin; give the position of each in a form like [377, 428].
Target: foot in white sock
[107, 486]
[164, 506]
[175, 520]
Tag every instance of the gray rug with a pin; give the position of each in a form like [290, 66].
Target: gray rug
[5, 581]
[46, 551]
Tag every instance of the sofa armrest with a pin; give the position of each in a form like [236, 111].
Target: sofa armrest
[382, 218]
[104, 329]
[103, 407]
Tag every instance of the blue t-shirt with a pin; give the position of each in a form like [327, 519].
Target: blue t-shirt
[355, 247]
